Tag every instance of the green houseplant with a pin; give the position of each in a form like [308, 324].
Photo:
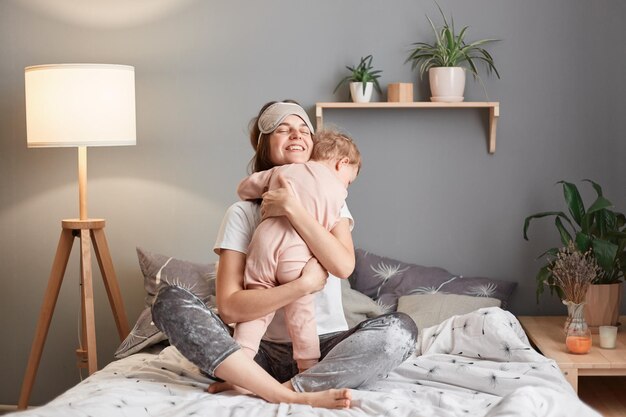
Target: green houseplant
[596, 228]
[364, 76]
[450, 50]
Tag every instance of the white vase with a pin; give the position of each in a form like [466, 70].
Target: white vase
[356, 91]
[447, 84]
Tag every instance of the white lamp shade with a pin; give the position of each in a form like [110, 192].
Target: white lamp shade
[80, 105]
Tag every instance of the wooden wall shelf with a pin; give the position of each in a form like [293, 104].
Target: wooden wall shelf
[493, 106]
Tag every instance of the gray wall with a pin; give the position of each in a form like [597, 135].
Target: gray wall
[429, 192]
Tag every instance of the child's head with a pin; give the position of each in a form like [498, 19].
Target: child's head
[338, 150]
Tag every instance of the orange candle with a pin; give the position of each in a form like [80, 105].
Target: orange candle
[578, 344]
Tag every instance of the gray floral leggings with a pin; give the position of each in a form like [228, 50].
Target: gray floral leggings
[348, 359]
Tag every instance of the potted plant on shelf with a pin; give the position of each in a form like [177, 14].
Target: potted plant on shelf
[363, 78]
[600, 230]
[447, 58]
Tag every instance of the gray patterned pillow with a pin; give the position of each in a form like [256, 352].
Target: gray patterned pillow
[159, 270]
[142, 335]
[385, 280]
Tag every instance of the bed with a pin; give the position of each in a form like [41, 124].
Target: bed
[474, 363]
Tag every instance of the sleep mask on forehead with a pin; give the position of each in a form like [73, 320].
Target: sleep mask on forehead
[276, 113]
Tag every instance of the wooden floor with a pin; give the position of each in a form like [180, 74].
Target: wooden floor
[605, 394]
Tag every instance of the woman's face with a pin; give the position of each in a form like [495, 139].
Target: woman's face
[291, 142]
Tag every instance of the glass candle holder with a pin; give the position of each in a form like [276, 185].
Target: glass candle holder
[608, 336]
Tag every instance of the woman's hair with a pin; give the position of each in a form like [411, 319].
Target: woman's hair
[260, 142]
[333, 144]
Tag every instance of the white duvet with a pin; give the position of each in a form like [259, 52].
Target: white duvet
[478, 364]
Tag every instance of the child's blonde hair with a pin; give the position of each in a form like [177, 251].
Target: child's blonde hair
[332, 144]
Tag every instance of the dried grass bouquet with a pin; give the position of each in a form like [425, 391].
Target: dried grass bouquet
[573, 272]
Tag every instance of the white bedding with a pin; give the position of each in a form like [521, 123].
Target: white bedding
[478, 364]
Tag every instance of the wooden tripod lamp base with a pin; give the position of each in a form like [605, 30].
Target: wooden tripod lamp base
[88, 231]
[79, 105]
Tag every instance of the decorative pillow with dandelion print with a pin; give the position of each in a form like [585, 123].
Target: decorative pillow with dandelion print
[159, 270]
[386, 279]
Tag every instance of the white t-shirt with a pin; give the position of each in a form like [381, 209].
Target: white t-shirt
[238, 225]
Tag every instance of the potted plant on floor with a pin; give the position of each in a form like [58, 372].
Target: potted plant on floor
[446, 59]
[598, 229]
[363, 78]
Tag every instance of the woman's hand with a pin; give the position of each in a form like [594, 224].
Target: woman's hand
[333, 249]
[278, 202]
[313, 276]
[237, 304]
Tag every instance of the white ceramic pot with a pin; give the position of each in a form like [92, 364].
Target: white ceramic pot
[356, 91]
[447, 84]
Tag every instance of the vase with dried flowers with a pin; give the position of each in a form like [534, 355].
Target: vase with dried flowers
[573, 271]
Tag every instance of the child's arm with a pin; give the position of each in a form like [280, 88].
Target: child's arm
[253, 186]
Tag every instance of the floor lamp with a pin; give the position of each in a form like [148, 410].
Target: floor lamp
[79, 105]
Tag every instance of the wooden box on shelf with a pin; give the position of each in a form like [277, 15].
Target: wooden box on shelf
[400, 92]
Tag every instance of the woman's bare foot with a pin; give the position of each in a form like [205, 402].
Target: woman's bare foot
[332, 398]
[243, 371]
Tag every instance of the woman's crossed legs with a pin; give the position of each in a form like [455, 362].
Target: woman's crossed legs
[350, 359]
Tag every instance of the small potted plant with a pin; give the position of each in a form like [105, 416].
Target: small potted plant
[445, 60]
[363, 78]
[598, 229]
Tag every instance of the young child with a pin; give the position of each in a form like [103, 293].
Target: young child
[277, 253]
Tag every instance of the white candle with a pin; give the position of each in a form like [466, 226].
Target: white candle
[608, 335]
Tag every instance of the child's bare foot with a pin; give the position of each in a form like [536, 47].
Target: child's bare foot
[304, 364]
[216, 387]
[332, 398]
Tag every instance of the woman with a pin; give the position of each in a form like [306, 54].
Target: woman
[282, 134]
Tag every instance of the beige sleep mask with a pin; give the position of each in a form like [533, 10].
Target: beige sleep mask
[276, 113]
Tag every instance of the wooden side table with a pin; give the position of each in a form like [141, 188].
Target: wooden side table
[546, 334]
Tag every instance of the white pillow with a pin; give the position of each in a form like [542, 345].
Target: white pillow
[428, 310]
